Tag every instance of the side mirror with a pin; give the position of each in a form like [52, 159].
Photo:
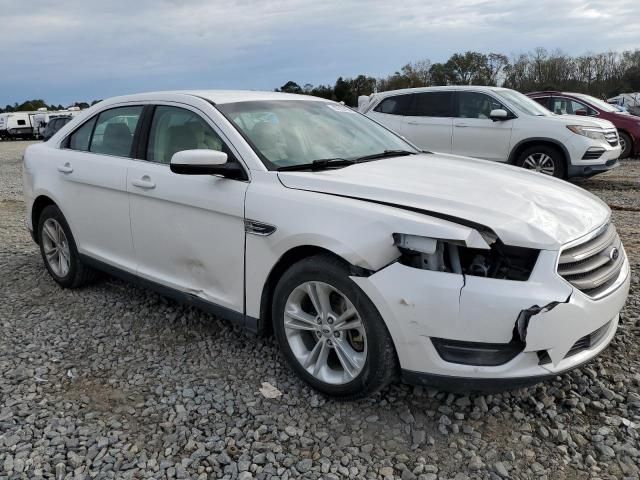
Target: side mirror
[582, 112]
[498, 114]
[205, 162]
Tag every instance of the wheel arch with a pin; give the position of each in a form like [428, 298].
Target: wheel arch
[288, 259]
[530, 142]
[39, 204]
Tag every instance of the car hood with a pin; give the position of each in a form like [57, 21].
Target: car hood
[523, 208]
[580, 120]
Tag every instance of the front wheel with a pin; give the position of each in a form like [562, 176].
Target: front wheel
[330, 332]
[625, 144]
[543, 159]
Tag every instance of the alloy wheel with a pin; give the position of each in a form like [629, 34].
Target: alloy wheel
[623, 143]
[56, 247]
[540, 162]
[325, 333]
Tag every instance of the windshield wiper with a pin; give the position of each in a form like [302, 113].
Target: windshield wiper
[386, 153]
[317, 165]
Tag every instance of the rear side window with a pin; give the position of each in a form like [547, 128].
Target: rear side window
[433, 104]
[113, 133]
[176, 129]
[397, 105]
[476, 105]
[22, 122]
[544, 101]
[79, 140]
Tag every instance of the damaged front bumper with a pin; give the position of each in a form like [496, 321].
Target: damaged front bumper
[544, 324]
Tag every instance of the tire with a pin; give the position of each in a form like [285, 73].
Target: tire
[369, 346]
[58, 236]
[544, 159]
[626, 144]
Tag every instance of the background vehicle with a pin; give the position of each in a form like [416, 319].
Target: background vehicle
[3, 126]
[567, 103]
[368, 259]
[629, 101]
[55, 123]
[43, 116]
[497, 124]
[19, 125]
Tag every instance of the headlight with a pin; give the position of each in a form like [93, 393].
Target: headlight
[595, 133]
[499, 261]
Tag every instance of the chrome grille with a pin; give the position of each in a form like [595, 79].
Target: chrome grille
[593, 265]
[612, 137]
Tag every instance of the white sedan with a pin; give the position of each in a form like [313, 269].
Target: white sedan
[369, 259]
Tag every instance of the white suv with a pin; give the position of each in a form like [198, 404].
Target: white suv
[497, 124]
[369, 259]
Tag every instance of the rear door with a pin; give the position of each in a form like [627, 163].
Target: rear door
[188, 230]
[474, 133]
[391, 111]
[93, 166]
[429, 124]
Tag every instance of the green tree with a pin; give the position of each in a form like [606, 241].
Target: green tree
[290, 87]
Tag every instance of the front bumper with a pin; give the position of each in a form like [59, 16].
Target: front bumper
[591, 170]
[418, 305]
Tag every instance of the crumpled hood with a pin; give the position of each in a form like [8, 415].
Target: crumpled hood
[523, 208]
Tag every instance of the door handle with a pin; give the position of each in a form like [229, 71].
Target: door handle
[144, 182]
[461, 125]
[66, 168]
[410, 122]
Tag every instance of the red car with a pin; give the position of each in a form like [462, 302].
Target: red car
[564, 103]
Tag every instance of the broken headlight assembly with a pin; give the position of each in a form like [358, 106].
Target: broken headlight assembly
[499, 261]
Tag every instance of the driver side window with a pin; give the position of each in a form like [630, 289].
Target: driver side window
[476, 105]
[175, 129]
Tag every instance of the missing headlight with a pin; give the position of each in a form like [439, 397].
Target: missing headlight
[499, 261]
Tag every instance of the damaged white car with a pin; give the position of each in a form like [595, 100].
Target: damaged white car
[369, 259]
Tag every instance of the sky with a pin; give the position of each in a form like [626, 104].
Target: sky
[80, 50]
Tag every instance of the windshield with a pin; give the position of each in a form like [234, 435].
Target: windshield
[604, 106]
[286, 133]
[523, 103]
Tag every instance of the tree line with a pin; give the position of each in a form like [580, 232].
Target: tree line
[602, 75]
[35, 104]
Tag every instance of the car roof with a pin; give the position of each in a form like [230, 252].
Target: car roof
[218, 96]
[474, 88]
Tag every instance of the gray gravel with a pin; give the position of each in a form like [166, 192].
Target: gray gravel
[112, 381]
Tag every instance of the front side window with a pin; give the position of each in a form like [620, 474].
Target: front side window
[113, 133]
[79, 140]
[476, 105]
[295, 132]
[568, 106]
[176, 129]
[396, 105]
[433, 104]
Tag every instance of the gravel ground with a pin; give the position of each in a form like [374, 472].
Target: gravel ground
[112, 381]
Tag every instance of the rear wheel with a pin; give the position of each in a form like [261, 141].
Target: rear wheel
[58, 250]
[543, 159]
[330, 332]
[626, 144]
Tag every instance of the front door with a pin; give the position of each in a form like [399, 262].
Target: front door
[188, 230]
[474, 133]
